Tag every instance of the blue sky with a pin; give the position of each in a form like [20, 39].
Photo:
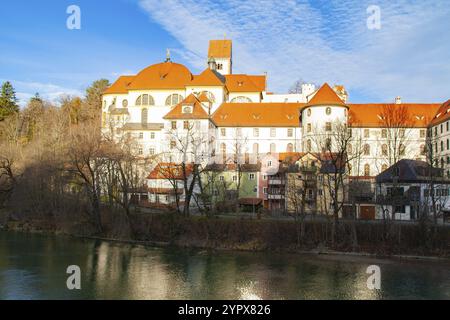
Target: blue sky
[316, 40]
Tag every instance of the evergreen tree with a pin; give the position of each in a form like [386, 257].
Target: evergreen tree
[94, 93]
[8, 101]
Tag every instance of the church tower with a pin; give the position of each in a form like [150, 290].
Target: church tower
[220, 52]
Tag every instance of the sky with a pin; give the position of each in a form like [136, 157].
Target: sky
[310, 40]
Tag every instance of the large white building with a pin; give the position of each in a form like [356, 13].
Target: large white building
[225, 113]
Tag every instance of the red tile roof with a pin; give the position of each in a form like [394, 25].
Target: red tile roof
[257, 115]
[166, 75]
[245, 83]
[442, 114]
[197, 109]
[120, 86]
[208, 78]
[169, 170]
[326, 96]
[371, 114]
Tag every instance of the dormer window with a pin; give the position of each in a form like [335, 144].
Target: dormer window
[240, 83]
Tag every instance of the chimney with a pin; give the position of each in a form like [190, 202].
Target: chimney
[398, 100]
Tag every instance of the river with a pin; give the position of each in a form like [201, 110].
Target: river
[34, 267]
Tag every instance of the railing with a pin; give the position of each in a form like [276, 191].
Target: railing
[276, 181]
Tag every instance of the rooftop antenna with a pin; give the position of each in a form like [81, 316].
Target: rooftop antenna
[168, 55]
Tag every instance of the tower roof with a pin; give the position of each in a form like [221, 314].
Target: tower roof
[326, 96]
[220, 49]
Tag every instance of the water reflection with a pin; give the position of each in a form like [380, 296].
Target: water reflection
[33, 266]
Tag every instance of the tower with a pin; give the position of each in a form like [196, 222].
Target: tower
[221, 52]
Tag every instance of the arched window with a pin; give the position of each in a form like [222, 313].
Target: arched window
[442, 145]
[273, 148]
[308, 145]
[367, 150]
[210, 96]
[144, 116]
[328, 111]
[145, 100]
[241, 99]
[384, 150]
[124, 103]
[384, 167]
[290, 147]
[367, 170]
[173, 99]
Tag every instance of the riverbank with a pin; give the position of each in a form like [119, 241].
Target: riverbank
[360, 239]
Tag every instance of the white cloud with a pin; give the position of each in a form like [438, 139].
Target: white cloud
[322, 41]
[25, 90]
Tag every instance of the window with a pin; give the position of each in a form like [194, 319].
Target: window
[328, 126]
[448, 144]
[319, 192]
[223, 132]
[219, 66]
[366, 133]
[141, 135]
[234, 178]
[125, 103]
[384, 150]
[256, 132]
[264, 177]
[186, 125]
[308, 112]
[328, 111]
[152, 135]
[349, 149]
[290, 132]
[290, 147]
[308, 127]
[442, 128]
[308, 145]
[442, 145]
[384, 133]
[402, 150]
[269, 163]
[173, 100]
[367, 150]
[446, 124]
[265, 190]
[241, 99]
[251, 176]
[366, 170]
[145, 100]
[328, 144]
[223, 148]
[144, 116]
[422, 150]
[402, 133]
[187, 109]
[140, 151]
[210, 96]
[221, 178]
[273, 148]
[273, 132]
[173, 144]
[423, 133]
[152, 151]
[174, 125]
[255, 149]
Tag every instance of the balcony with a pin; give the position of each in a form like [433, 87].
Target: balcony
[275, 196]
[309, 169]
[276, 182]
